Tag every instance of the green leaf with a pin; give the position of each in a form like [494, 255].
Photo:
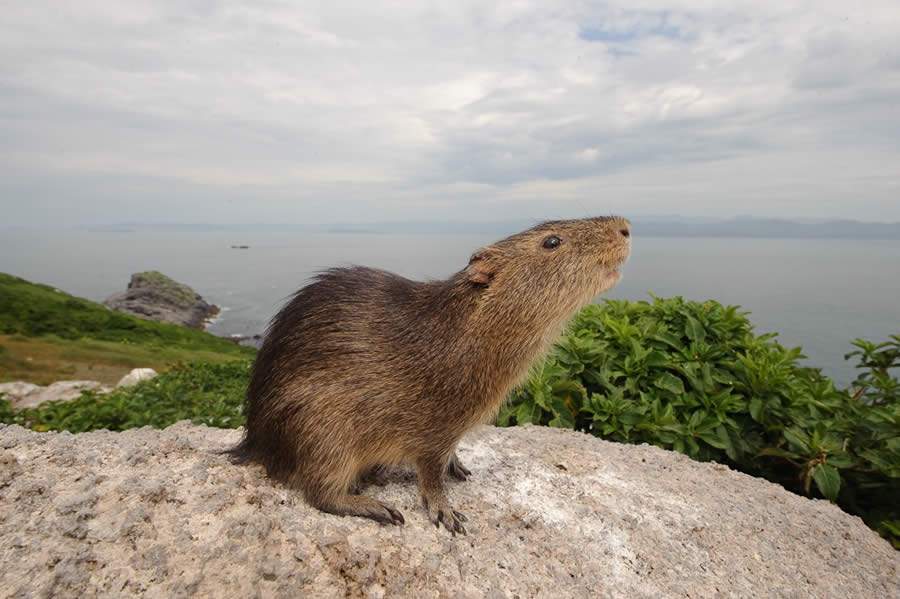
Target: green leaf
[669, 382]
[669, 339]
[841, 461]
[539, 396]
[694, 330]
[570, 388]
[756, 409]
[828, 480]
[713, 438]
[781, 453]
[525, 413]
[656, 359]
[564, 418]
[725, 438]
[505, 416]
[797, 438]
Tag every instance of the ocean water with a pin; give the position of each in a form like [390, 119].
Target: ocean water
[816, 293]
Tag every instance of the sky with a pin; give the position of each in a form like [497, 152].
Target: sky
[306, 112]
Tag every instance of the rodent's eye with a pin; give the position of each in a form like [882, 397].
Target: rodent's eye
[552, 242]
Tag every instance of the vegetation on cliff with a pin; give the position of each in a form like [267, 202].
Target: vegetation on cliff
[48, 335]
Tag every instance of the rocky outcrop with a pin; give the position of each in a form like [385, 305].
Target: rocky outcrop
[154, 296]
[551, 514]
[23, 395]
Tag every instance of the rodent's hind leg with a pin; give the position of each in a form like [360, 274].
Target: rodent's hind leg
[378, 475]
[330, 494]
[363, 506]
[455, 468]
[434, 498]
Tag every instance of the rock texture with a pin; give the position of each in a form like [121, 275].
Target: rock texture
[17, 391]
[154, 296]
[136, 376]
[26, 395]
[551, 514]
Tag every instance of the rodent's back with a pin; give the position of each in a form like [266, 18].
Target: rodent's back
[348, 347]
[345, 316]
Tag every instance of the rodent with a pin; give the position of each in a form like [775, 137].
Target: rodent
[364, 368]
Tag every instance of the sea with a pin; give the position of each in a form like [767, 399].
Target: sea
[818, 294]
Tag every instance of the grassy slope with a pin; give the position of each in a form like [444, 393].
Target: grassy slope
[48, 335]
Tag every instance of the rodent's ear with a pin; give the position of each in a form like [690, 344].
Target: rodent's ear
[481, 269]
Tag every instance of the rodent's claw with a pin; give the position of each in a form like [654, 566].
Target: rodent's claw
[385, 514]
[452, 521]
[440, 512]
[396, 516]
[457, 470]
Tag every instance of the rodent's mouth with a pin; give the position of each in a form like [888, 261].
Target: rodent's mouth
[614, 259]
[614, 270]
[616, 266]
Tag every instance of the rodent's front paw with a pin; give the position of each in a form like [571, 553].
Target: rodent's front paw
[440, 512]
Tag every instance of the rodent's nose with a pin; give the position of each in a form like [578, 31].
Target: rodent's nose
[617, 225]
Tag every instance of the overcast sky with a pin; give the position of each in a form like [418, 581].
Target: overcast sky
[266, 112]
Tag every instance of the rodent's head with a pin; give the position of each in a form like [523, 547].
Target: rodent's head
[562, 263]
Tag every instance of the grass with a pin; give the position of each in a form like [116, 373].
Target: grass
[47, 335]
[44, 360]
[35, 310]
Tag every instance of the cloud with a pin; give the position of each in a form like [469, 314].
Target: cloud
[266, 110]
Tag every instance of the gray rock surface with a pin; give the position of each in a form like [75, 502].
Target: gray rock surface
[154, 296]
[551, 514]
[25, 395]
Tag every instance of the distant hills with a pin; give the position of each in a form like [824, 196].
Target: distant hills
[669, 226]
[768, 228]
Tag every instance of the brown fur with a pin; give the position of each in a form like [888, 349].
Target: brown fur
[364, 368]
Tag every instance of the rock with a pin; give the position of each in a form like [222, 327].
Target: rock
[18, 391]
[254, 341]
[154, 296]
[136, 376]
[551, 514]
[25, 395]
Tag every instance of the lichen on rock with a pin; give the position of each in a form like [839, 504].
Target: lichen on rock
[551, 513]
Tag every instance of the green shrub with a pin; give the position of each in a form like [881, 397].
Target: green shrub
[210, 394]
[694, 378]
[875, 384]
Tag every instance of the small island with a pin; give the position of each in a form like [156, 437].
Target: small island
[154, 296]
